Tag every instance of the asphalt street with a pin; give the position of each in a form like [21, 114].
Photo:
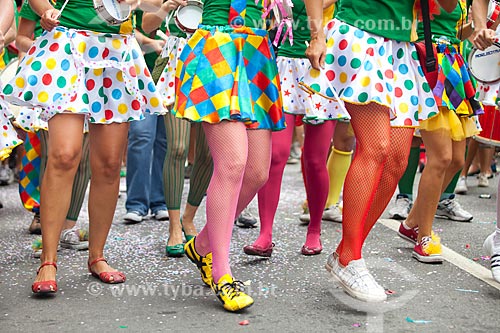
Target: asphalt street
[292, 292]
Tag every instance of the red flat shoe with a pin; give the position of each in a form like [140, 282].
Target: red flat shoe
[311, 251]
[255, 250]
[106, 277]
[45, 287]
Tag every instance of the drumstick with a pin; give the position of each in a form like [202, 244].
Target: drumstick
[62, 8]
[161, 34]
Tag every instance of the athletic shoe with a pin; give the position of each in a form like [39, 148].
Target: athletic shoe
[246, 219]
[133, 217]
[356, 280]
[461, 187]
[305, 218]
[161, 215]
[35, 227]
[428, 250]
[451, 209]
[410, 235]
[494, 252]
[70, 239]
[333, 214]
[204, 263]
[231, 293]
[482, 180]
[402, 208]
[488, 244]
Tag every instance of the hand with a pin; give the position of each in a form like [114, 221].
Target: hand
[2, 40]
[154, 45]
[316, 51]
[50, 19]
[483, 38]
[170, 5]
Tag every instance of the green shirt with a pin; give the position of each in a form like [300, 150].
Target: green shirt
[392, 19]
[81, 15]
[301, 33]
[29, 14]
[446, 24]
[216, 12]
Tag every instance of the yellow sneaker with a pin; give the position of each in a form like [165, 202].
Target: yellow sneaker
[428, 250]
[231, 293]
[204, 263]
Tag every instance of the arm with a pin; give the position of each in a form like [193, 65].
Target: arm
[448, 5]
[6, 18]
[328, 3]
[49, 16]
[316, 51]
[152, 20]
[24, 38]
[465, 31]
[483, 37]
[10, 35]
[149, 45]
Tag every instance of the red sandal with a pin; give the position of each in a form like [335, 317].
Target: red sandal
[106, 277]
[45, 287]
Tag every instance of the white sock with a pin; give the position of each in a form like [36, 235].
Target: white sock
[408, 228]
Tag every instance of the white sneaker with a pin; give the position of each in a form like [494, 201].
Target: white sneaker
[451, 209]
[461, 187]
[356, 280]
[161, 215]
[482, 180]
[70, 239]
[133, 217]
[402, 208]
[333, 213]
[490, 249]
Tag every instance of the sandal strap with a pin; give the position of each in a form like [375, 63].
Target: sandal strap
[95, 261]
[47, 263]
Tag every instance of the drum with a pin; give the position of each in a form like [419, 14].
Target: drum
[6, 75]
[485, 65]
[282, 10]
[112, 11]
[490, 122]
[493, 13]
[188, 17]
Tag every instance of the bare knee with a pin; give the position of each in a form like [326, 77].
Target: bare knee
[107, 168]
[64, 158]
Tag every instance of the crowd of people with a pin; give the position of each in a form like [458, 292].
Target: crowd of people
[218, 105]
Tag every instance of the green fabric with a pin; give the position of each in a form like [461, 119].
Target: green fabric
[202, 169]
[445, 24]
[301, 33]
[29, 14]
[393, 19]
[216, 12]
[80, 14]
[406, 182]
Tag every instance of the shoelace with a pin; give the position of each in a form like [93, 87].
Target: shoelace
[233, 289]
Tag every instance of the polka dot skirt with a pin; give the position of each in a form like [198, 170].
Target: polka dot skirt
[8, 136]
[166, 83]
[103, 76]
[364, 68]
[487, 93]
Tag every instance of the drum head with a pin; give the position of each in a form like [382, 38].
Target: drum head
[118, 10]
[485, 65]
[189, 17]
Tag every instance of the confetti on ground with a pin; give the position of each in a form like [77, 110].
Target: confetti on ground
[244, 322]
[485, 258]
[390, 292]
[418, 321]
[467, 290]
[123, 326]
[467, 246]
[475, 259]
[356, 325]
[400, 251]
[389, 259]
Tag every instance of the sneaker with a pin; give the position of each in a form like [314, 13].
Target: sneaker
[70, 239]
[161, 215]
[333, 213]
[231, 293]
[451, 209]
[246, 219]
[305, 218]
[461, 187]
[428, 250]
[494, 252]
[356, 280]
[133, 217]
[204, 263]
[488, 244]
[410, 235]
[292, 160]
[402, 208]
[482, 180]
